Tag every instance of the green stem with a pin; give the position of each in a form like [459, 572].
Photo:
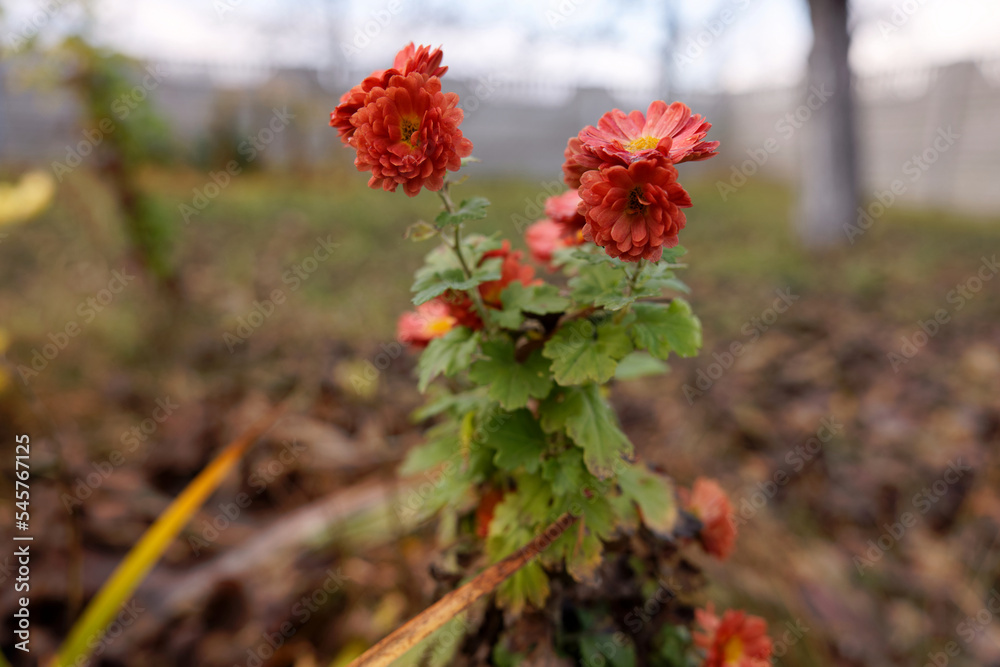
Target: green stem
[629, 288]
[456, 246]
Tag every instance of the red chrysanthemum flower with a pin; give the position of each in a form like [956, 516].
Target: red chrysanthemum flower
[711, 505]
[633, 212]
[668, 132]
[564, 210]
[578, 161]
[407, 134]
[430, 320]
[419, 59]
[546, 236]
[736, 640]
[543, 238]
[409, 59]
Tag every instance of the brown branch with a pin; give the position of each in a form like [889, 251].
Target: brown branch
[442, 611]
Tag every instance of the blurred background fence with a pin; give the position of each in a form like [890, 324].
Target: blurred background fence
[911, 122]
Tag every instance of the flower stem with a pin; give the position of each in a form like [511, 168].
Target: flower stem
[456, 246]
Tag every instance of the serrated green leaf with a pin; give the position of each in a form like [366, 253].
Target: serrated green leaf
[591, 424]
[448, 355]
[473, 208]
[649, 328]
[582, 353]
[441, 445]
[518, 441]
[602, 285]
[511, 383]
[431, 282]
[654, 495]
[529, 585]
[536, 299]
[637, 365]
[456, 405]
[566, 473]
[683, 329]
[661, 328]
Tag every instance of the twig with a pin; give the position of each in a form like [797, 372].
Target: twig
[442, 611]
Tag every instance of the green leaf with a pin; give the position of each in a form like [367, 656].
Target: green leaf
[654, 494]
[441, 445]
[529, 585]
[683, 329]
[473, 208]
[431, 282]
[602, 285]
[518, 441]
[566, 473]
[511, 383]
[536, 299]
[454, 404]
[661, 328]
[592, 425]
[637, 365]
[421, 231]
[448, 354]
[594, 646]
[578, 356]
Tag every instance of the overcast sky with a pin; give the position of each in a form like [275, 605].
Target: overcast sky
[730, 44]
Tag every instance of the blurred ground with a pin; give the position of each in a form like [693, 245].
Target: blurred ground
[868, 484]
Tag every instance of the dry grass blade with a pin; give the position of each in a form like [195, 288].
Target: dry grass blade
[442, 611]
[144, 555]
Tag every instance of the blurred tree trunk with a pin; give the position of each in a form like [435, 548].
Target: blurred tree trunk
[829, 187]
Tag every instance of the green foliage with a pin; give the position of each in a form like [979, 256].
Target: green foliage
[448, 355]
[525, 409]
[584, 415]
[470, 209]
[581, 352]
[511, 383]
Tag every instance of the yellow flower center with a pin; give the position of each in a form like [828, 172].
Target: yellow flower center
[407, 126]
[733, 650]
[440, 327]
[641, 144]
